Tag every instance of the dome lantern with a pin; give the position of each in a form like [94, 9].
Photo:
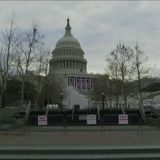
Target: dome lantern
[68, 28]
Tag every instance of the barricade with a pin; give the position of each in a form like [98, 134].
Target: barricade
[79, 122]
[55, 120]
[112, 122]
[52, 120]
[113, 119]
[74, 120]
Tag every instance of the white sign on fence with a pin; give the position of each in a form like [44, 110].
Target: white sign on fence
[91, 119]
[42, 120]
[123, 119]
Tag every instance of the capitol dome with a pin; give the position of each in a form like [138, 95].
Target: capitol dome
[68, 41]
[68, 55]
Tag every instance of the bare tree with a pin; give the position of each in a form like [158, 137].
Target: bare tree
[112, 70]
[41, 71]
[140, 71]
[7, 50]
[25, 56]
[50, 91]
[101, 85]
[121, 65]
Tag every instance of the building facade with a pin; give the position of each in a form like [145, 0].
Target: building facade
[68, 64]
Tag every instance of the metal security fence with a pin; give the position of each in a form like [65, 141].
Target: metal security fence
[73, 120]
[81, 120]
[52, 120]
[55, 120]
[113, 119]
[77, 122]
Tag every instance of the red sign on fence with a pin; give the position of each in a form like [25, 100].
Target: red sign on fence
[42, 120]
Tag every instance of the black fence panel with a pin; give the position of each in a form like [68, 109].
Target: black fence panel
[71, 120]
[110, 119]
[55, 120]
[113, 119]
[32, 120]
[133, 119]
[81, 119]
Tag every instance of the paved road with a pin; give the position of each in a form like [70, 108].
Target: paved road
[111, 136]
[80, 152]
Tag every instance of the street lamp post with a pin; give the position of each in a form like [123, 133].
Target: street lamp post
[61, 99]
[103, 96]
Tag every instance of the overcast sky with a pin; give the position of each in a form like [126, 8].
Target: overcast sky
[98, 26]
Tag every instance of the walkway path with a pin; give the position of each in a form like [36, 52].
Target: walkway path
[112, 136]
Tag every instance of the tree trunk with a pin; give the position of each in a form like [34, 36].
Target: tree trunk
[123, 89]
[38, 92]
[110, 94]
[22, 91]
[110, 101]
[125, 100]
[124, 96]
[117, 101]
[2, 94]
[2, 98]
[139, 86]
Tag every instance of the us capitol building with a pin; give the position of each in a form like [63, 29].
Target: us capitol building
[69, 66]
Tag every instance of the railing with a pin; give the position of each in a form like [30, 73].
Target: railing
[81, 120]
[112, 119]
[77, 122]
[71, 122]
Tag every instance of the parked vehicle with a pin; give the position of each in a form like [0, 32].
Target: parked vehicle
[52, 106]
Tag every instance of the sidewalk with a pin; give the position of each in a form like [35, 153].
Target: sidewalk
[111, 136]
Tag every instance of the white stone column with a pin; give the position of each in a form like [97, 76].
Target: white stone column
[62, 64]
[90, 83]
[76, 82]
[74, 65]
[81, 83]
[67, 64]
[77, 65]
[58, 65]
[86, 83]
